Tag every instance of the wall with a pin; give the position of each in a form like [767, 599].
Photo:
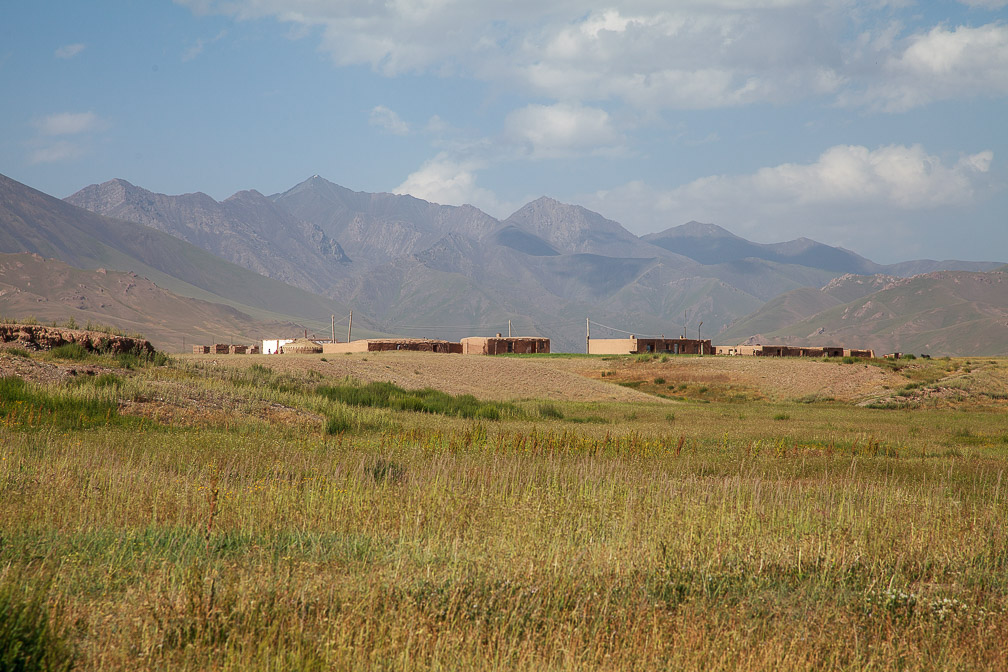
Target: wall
[393, 344]
[480, 345]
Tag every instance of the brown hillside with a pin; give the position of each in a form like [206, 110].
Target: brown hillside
[49, 290]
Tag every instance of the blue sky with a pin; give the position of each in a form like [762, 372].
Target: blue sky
[881, 126]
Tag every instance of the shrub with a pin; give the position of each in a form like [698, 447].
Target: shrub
[427, 400]
[108, 380]
[338, 423]
[549, 410]
[18, 352]
[387, 471]
[127, 360]
[659, 381]
[30, 638]
[74, 351]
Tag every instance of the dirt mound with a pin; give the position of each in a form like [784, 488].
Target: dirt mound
[39, 337]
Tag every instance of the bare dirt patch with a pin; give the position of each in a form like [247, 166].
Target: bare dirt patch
[44, 373]
[770, 378]
[493, 378]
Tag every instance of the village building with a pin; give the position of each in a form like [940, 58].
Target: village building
[634, 345]
[391, 345]
[272, 346]
[500, 345]
[791, 351]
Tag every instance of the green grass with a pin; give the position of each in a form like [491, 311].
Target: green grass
[71, 351]
[29, 407]
[30, 638]
[427, 400]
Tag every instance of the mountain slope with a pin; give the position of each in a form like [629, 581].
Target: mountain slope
[420, 268]
[804, 302]
[31, 221]
[374, 228]
[50, 290]
[954, 312]
[576, 230]
[711, 244]
[247, 229]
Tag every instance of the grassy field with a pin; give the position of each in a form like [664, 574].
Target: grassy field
[263, 515]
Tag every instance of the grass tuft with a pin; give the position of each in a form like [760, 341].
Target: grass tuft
[30, 638]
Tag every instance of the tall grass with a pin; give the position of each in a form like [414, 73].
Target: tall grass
[30, 638]
[844, 538]
[29, 407]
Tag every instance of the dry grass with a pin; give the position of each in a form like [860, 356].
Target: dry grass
[662, 534]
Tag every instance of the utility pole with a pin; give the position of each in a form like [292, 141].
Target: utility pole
[509, 328]
[587, 336]
[333, 328]
[349, 327]
[698, 337]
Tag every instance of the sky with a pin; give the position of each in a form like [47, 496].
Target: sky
[877, 125]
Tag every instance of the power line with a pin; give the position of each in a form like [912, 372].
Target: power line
[622, 331]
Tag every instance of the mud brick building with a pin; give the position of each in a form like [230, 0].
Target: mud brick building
[392, 345]
[634, 346]
[500, 345]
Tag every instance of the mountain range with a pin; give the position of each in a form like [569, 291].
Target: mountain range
[410, 267]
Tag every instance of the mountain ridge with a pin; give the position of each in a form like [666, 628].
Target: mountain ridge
[410, 265]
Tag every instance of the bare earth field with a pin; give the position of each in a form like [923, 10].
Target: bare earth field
[580, 378]
[499, 378]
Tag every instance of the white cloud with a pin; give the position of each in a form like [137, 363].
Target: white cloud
[68, 123]
[69, 50]
[450, 181]
[56, 152]
[383, 117]
[941, 64]
[197, 48]
[986, 4]
[563, 130]
[849, 193]
[63, 136]
[657, 55]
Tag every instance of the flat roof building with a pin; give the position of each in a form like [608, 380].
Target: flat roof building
[392, 345]
[500, 345]
[634, 345]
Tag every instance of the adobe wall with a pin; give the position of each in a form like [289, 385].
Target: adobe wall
[674, 346]
[392, 345]
[611, 346]
[339, 348]
[500, 345]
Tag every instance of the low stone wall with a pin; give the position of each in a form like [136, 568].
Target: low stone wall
[40, 337]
